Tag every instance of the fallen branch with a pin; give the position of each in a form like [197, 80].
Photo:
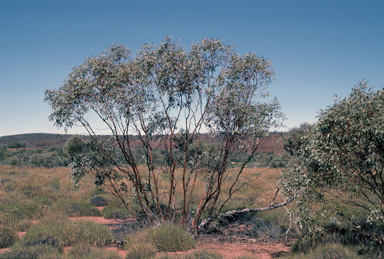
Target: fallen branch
[204, 224]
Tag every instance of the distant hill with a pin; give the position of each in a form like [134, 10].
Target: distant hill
[36, 139]
[272, 143]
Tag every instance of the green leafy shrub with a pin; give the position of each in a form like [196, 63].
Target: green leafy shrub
[99, 201]
[7, 237]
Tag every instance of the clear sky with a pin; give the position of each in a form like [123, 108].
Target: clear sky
[319, 48]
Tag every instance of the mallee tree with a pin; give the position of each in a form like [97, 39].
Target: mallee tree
[166, 96]
[338, 176]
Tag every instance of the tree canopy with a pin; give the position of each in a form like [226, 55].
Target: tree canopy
[167, 95]
[340, 164]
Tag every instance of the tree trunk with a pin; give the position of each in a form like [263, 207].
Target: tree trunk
[205, 223]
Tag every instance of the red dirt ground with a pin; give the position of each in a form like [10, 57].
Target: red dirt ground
[227, 249]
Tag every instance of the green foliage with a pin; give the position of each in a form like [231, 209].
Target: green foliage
[99, 201]
[330, 251]
[76, 208]
[164, 95]
[115, 213]
[141, 251]
[60, 232]
[32, 252]
[338, 174]
[3, 152]
[74, 146]
[16, 145]
[199, 254]
[14, 161]
[48, 160]
[85, 251]
[294, 139]
[168, 238]
[7, 237]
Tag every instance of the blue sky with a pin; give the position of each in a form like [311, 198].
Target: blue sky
[318, 48]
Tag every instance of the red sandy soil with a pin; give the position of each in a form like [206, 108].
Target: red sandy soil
[227, 249]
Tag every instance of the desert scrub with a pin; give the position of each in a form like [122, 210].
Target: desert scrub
[168, 238]
[85, 251]
[141, 250]
[76, 208]
[99, 201]
[208, 254]
[7, 237]
[115, 213]
[59, 232]
[32, 252]
[329, 251]
[24, 225]
[204, 253]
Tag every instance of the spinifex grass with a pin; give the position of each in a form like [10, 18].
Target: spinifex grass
[59, 232]
[168, 238]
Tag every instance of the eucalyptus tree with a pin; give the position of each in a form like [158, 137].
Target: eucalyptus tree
[165, 96]
[339, 174]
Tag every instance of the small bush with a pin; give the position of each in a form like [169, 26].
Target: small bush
[60, 232]
[329, 251]
[199, 254]
[76, 208]
[206, 254]
[42, 239]
[99, 201]
[85, 251]
[171, 238]
[32, 252]
[7, 237]
[168, 238]
[24, 225]
[114, 213]
[141, 251]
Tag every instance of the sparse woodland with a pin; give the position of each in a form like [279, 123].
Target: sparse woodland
[185, 161]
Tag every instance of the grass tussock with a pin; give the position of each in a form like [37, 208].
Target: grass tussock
[330, 251]
[7, 237]
[167, 238]
[59, 232]
[32, 252]
[74, 208]
[85, 251]
[203, 253]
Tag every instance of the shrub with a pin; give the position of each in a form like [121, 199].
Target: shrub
[168, 238]
[330, 251]
[32, 252]
[76, 208]
[24, 225]
[99, 201]
[85, 251]
[203, 254]
[114, 213]
[59, 232]
[141, 251]
[7, 237]
[14, 161]
[199, 254]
